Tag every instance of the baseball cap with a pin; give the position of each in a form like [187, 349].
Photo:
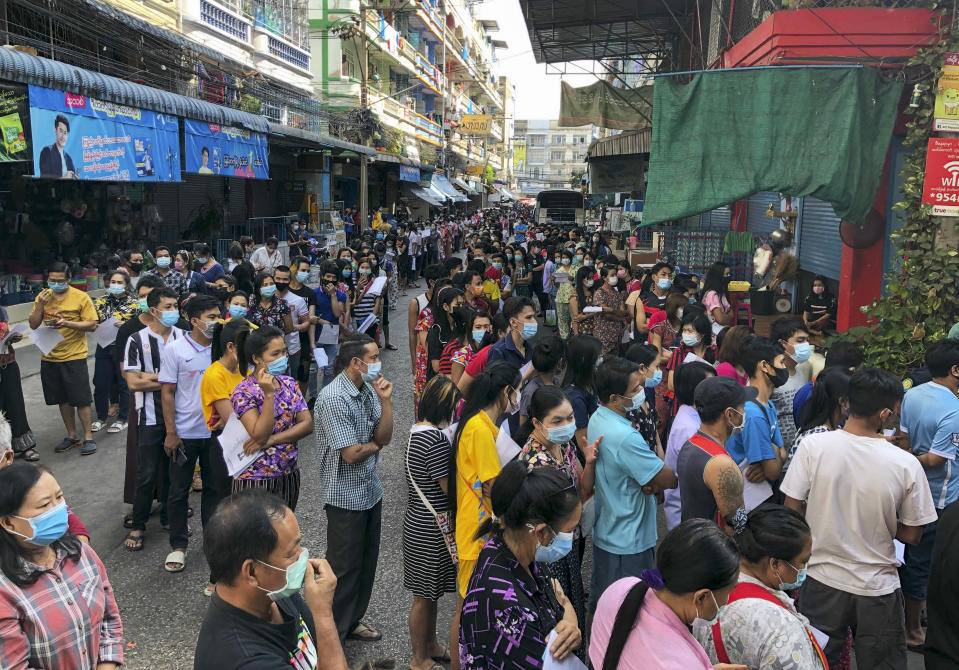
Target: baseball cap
[714, 394]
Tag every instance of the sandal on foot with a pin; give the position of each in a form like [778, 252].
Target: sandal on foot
[364, 633]
[133, 542]
[67, 444]
[97, 426]
[117, 426]
[29, 454]
[391, 347]
[444, 657]
[177, 557]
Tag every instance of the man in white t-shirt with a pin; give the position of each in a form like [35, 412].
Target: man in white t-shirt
[790, 333]
[861, 492]
[299, 312]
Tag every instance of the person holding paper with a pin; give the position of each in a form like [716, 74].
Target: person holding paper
[758, 447]
[330, 308]
[582, 297]
[113, 309]
[272, 409]
[23, 443]
[512, 617]
[300, 315]
[141, 365]
[710, 482]
[366, 302]
[760, 627]
[63, 369]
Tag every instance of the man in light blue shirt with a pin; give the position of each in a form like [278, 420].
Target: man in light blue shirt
[929, 419]
[628, 475]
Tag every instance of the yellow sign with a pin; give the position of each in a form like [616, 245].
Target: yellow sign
[474, 169]
[476, 124]
[519, 156]
[947, 96]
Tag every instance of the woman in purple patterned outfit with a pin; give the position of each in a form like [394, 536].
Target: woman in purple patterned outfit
[271, 408]
[511, 607]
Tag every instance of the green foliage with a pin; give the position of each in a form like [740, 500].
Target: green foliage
[576, 179]
[488, 176]
[249, 103]
[921, 301]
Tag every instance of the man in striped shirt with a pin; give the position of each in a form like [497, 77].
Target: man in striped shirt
[141, 365]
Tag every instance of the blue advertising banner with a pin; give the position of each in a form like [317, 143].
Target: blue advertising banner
[78, 137]
[408, 173]
[224, 150]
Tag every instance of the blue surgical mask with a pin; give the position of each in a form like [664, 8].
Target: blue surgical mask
[279, 366]
[379, 236]
[372, 371]
[664, 284]
[529, 330]
[636, 402]
[561, 434]
[57, 286]
[116, 289]
[47, 527]
[201, 261]
[588, 264]
[237, 311]
[142, 305]
[690, 340]
[478, 336]
[800, 578]
[498, 266]
[692, 300]
[347, 272]
[302, 276]
[654, 379]
[268, 291]
[560, 546]
[704, 623]
[170, 318]
[163, 262]
[295, 574]
[801, 352]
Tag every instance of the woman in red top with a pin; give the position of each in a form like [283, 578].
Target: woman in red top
[696, 337]
[472, 331]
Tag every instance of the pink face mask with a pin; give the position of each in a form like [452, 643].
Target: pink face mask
[621, 274]
[818, 290]
[178, 265]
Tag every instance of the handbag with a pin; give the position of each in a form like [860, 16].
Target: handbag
[444, 520]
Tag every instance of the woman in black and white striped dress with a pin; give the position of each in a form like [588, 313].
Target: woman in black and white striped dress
[428, 569]
[365, 300]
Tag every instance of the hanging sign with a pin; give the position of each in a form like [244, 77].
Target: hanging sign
[409, 173]
[941, 186]
[475, 124]
[946, 112]
[79, 137]
[14, 123]
[224, 150]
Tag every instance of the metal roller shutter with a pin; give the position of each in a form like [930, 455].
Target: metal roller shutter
[820, 247]
[716, 219]
[756, 220]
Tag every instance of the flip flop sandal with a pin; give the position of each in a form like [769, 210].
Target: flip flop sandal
[97, 426]
[445, 658]
[137, 542]
[391, 347]
[175, 557]
[364, 633]
[117, 426]
[30, 455]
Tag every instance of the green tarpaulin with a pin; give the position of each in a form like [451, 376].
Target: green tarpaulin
[605, 106]
[803, 131]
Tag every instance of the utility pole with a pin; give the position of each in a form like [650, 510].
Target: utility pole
[364, 100]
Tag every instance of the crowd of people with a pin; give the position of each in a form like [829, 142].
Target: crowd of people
[561, 397]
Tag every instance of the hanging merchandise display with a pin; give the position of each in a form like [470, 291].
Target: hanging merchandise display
[79, 137]
[224, 150]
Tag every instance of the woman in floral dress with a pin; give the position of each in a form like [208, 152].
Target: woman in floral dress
[274, 413]
[609, 324]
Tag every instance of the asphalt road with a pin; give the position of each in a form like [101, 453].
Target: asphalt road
[161, 611]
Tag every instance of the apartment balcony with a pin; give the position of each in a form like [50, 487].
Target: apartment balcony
[268, 46]
[409, 122]
[222, 17]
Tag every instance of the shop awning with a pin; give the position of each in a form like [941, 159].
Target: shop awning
[29, 69]
[463, 185]
[504, 192]
[437, 193]
[443, 185]
[426, 196]
[320, 140]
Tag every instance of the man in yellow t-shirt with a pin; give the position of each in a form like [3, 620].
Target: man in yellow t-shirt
[63, 370]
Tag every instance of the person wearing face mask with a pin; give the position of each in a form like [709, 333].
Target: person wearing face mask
[428, 567]
[710, 481]
[564, 281]
[223, 375]
[550, 441]
[366, 301]
[187, 439]
[645, 417]
[445, 301]
[534, 511]
[695, 344]
[819, 308]
[272, 409]
[791, 335]
[656, 287]
[258, 617]
[514, 348]
[113, 310]
[267, 257]
[610, 323]
[758, 447]
[853, 564]
[472, 330]
[52, 585]
[267, 308]
[628, 474]
[646, 618]
[132, 265]
[582, 297]
[301, 317]
[63, 370]
[183, 264]
[206, 265]
[825, 410]
[164, 270]
[353, 421]
[760, 627]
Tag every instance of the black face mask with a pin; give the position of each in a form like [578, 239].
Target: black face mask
[221, 292]
[780, 378]
[281, 286]
[135, 266]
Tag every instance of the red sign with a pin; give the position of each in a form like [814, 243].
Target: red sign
[74, 100]
[941, 186]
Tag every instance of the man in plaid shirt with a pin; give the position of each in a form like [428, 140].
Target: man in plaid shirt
[175, 279]
[353, 420]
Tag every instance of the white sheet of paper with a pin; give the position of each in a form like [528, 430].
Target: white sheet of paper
[232, 439]
[821, 638]
[526, 368]
[17, 329]
[900, 551]
[106, 333]
[46, 338]
[754, 494]
[378, 285]
[319, 355]
[367, 322]
[505, 446]
[592, 309]
[450, 431]
[329, 335]
[571, 662]
[560, 277]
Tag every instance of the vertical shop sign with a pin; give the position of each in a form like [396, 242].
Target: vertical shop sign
[941, 186]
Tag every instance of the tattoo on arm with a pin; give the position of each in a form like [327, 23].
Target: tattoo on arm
[729, 490]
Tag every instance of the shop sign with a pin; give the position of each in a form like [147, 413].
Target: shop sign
[475, 124]
[947, 96]
[941, 186]
[14, 123]
[409, 173]
[224, 150]
[474, 169]
[78, 137]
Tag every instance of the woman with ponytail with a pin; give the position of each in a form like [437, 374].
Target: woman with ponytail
[760, 627]
[223, 375]
[642, 624]
[274, 413]
[474, 464]
[511, 607]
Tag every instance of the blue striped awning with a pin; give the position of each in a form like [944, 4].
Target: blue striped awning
[29, 69]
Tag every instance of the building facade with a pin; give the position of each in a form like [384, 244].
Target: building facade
[553, 154]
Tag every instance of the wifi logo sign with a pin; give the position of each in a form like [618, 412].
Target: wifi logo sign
[952, 179]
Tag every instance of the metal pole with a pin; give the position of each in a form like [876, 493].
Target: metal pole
[364, 98]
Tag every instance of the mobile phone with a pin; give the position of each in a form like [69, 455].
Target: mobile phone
[180, 456]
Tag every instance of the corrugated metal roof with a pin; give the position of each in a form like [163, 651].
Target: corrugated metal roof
[625, 143]
[29, 69]
[319, 139]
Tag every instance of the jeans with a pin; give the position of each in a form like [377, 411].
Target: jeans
[329, 370]
[609, 567]
[353, 546]
[914, 572]
[152, 465]
[107, 378]
[294, 365]
[216, 485]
